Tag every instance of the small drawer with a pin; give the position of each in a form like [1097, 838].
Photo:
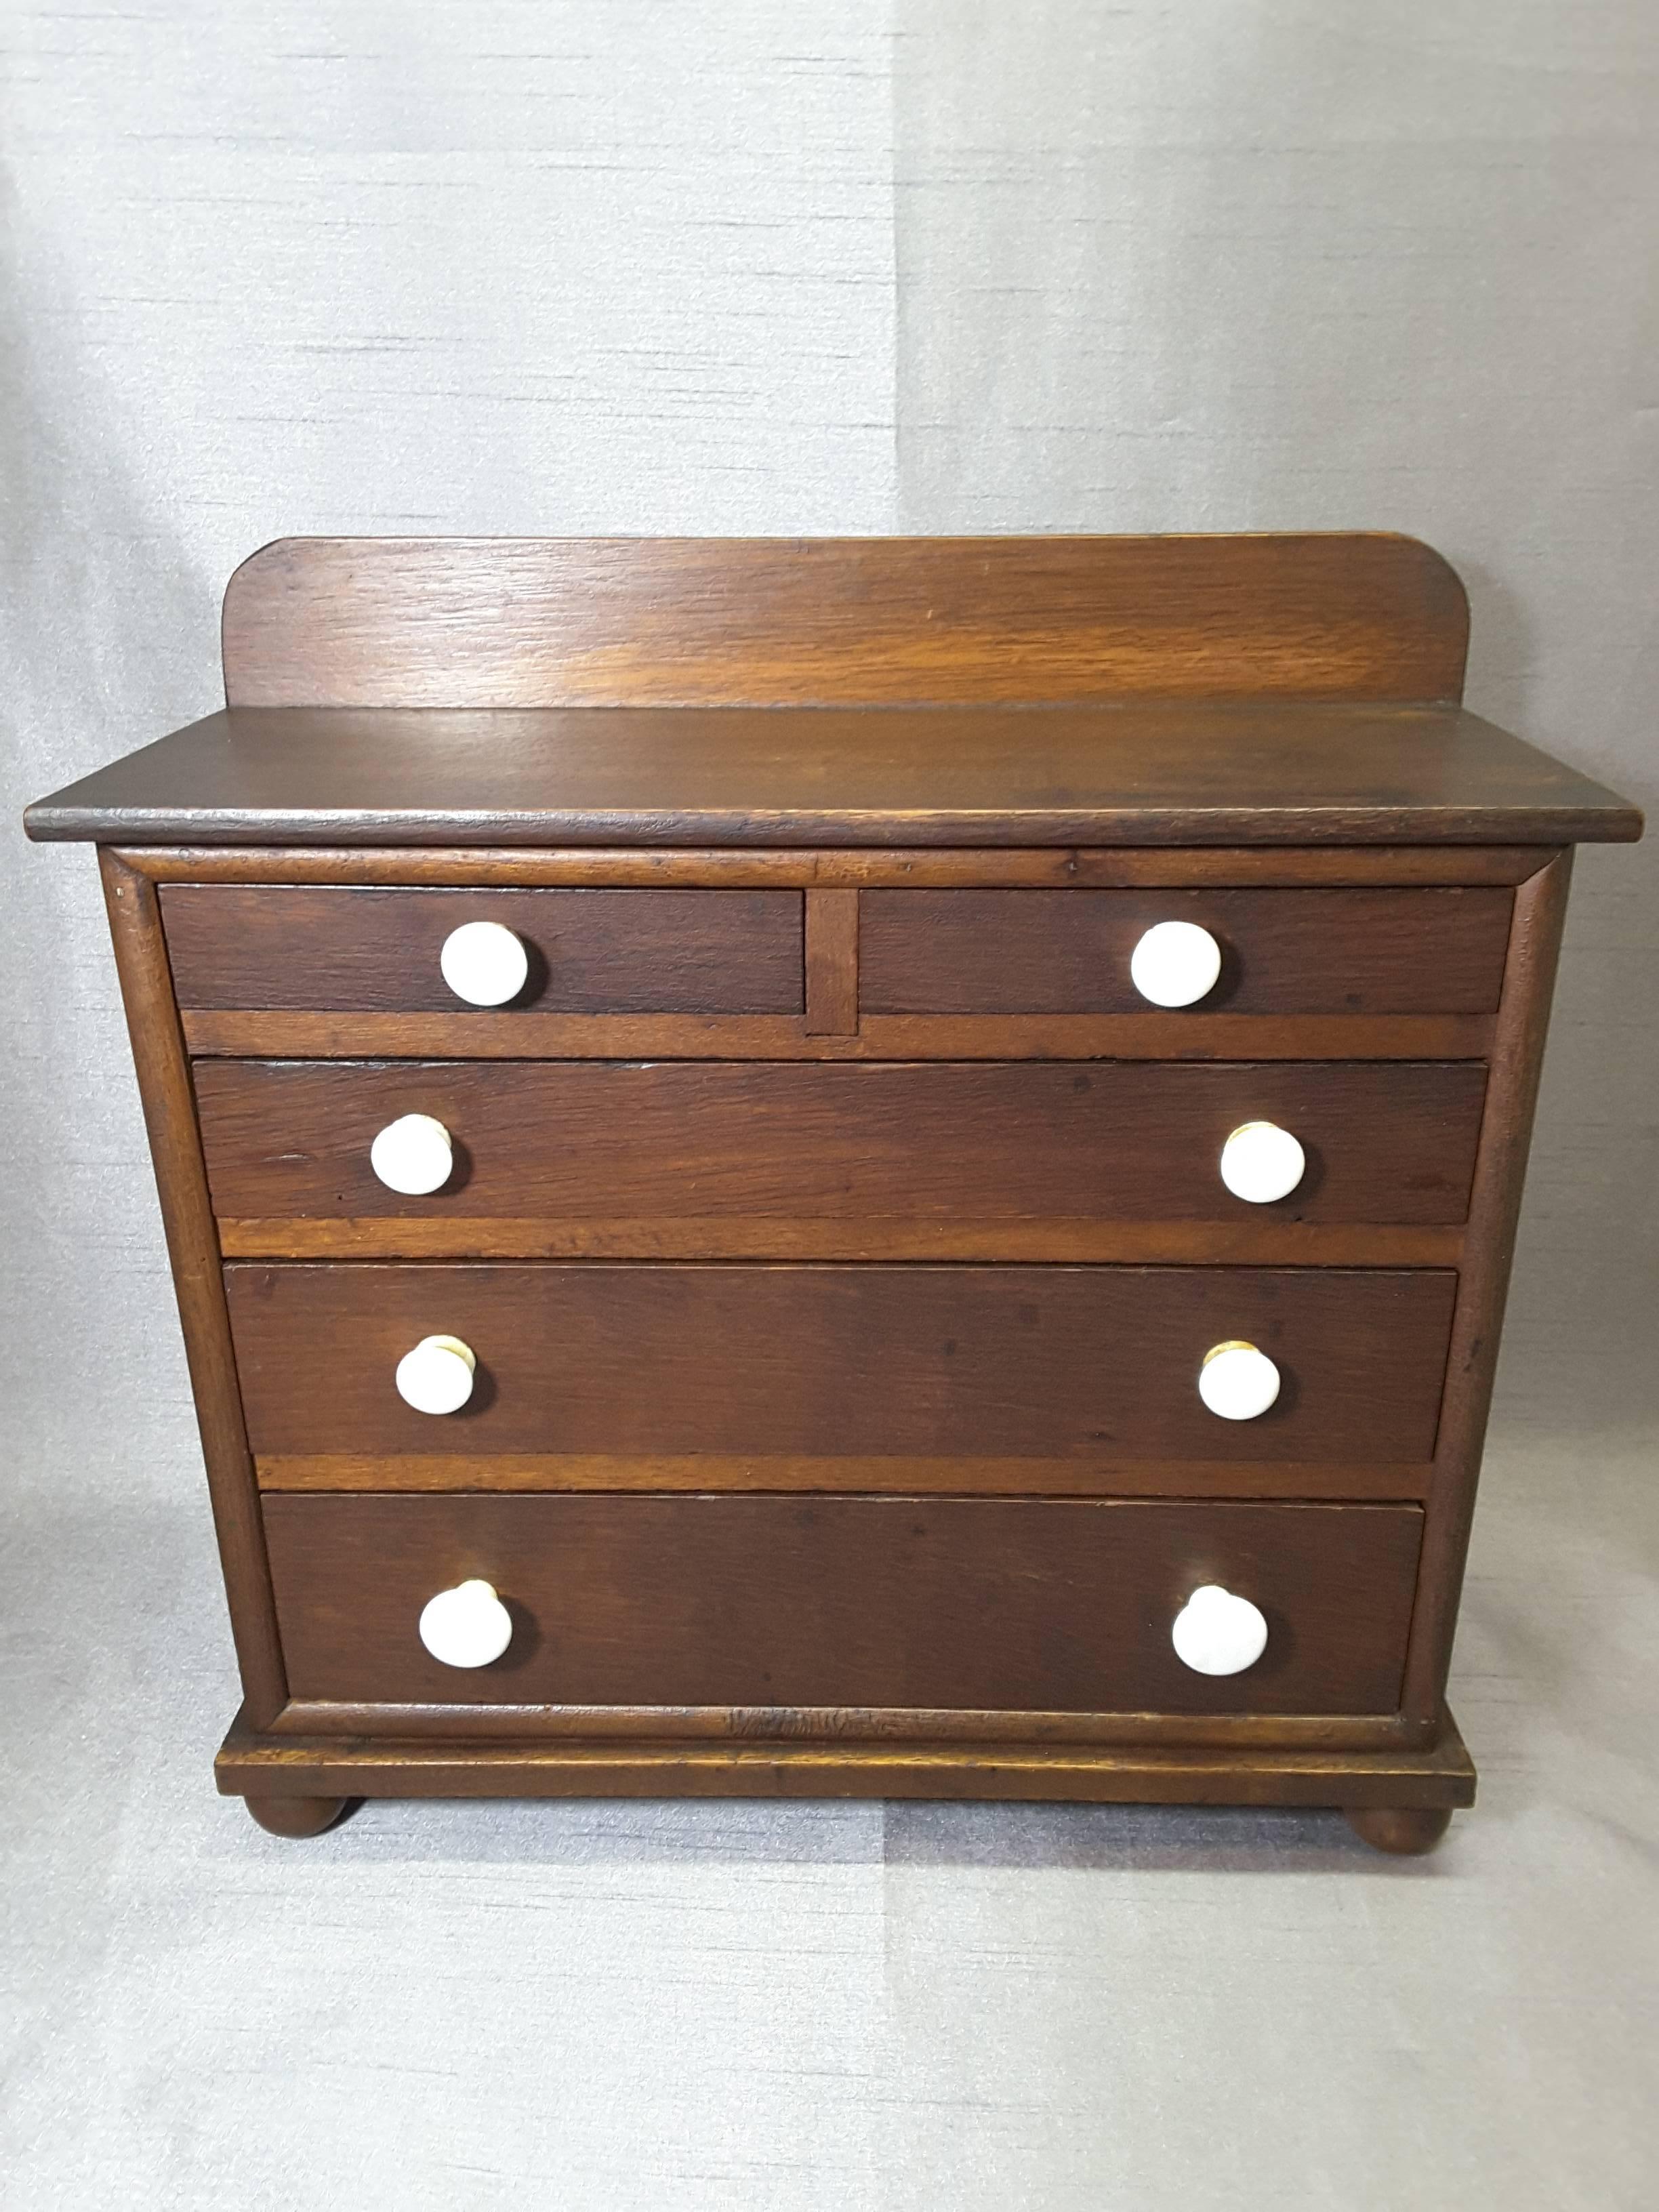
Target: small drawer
[936, 1604]
[1080, 1363]
[942, 1143]
[327, 949]
[1405, 951]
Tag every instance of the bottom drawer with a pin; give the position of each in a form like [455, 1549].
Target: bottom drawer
[973, 1604]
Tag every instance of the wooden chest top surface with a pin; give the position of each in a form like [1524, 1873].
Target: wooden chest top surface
[1221, 691]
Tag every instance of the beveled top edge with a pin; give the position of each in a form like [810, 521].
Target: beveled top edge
[1155, 773]
[48, 822]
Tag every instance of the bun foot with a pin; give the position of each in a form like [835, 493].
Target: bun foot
[1401, 1828]
[297, 1816]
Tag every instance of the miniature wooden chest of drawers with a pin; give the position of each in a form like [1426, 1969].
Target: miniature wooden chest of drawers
[852, 1167]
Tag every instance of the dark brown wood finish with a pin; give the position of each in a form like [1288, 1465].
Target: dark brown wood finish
[832, 963]
[1148, 775]
[773, 1236]
[296, 1816]
[477, 1766]
[192, 1247]
[323, 947]
[875, 621]
[1400, 1829]
[1390, 1481]
[526, 1034]
[886, 815]
[1283, 951]
[879, 1603]
[1132, 1141]
[975, 1731]
[1078, 1363]
[602, 867]
[1483, 1280]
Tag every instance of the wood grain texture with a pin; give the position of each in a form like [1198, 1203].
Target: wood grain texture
[974, 1732]
[1081, 1364]
[192, 1247]
[945, 1399]
[1251, 1243]
[1133, 1141]
[873, 621]
[832, 963]
[1483, 1279]
[1106, 1475]
[1426, 951]
[528, 1033]
[1441, 1773]
[879, 1603]
[1146, 775]
[753, 868]
[327, 948]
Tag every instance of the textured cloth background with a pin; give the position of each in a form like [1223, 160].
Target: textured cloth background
[883, 265]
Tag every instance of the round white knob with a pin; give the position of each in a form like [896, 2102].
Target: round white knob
[414, 1155]
[1261, 1162]
[1237, 1382]
[1217, 1633]
[466, 1626]
[484, 963]
[436, 1376]
[1175, 963]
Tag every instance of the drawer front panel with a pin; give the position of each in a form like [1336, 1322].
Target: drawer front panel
[1408, 952]
[1073, 1363]
[971, 1604]
[1387, 1142]
[330, 949]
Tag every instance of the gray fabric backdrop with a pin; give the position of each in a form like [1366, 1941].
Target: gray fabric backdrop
[867, 266]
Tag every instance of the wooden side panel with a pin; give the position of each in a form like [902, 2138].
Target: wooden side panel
[192, 1247]
[845, 1602]
[1122, 1141]
[780, 622]
[1429, 951]
[330, 948]
[1085, 1364]
[1483, 1278]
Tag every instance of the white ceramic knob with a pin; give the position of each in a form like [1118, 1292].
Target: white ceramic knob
[1261, 1162]
[1237, 1382]
[436, 1376]
[414, 1155]
[484, 963]
[1217, 1633]
[466, 1626]
[1175, 964]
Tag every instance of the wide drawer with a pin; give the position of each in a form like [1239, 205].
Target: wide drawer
[333, 949]
[1386, 1142]
[1085, 1364]
[1421, 952]
[992, 1605]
